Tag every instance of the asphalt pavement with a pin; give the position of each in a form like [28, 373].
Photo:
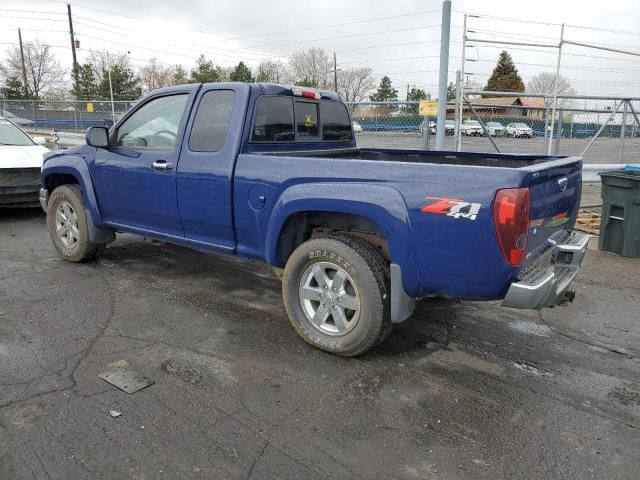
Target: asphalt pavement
[460, 390]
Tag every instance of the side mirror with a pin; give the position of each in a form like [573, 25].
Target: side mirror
[40, 140]
[97, 137]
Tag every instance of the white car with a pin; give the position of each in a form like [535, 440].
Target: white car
[20, 165]
[519, 130]
[357, 128]
[472, 128]
[495, 129]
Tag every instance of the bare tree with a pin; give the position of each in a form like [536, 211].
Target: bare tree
[355, 83]
[44, 72]
[545, 83]
[311, 68]
[155, 75]
[102, 61]
[271, 71]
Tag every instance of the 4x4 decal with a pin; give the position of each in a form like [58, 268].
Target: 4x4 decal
[452, 207]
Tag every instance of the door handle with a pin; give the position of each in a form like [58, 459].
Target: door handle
[161, 165]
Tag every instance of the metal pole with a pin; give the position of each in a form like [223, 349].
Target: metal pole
[559, 134]
[484, 128]
[458, 100]
[461, 96]
[74, 71]
[335, 73]
[623, 128]
[24, 69]
[556, 86]
[546, 125]
[113, 110]
[443, 81]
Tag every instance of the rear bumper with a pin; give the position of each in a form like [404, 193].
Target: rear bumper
[545, 283]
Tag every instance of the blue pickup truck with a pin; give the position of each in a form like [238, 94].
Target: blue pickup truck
[271, 172]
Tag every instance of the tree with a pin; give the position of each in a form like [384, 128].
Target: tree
[205, 72]
[86, 87]
[385, 92]
[155, 75]
[179, 75]
[102, 61]
[43, 70]
[126, 86]
[241, 73]
[505, 76]
[355, 83]
[311, 68]
[14, 90]
[414, 95]
[451, 91]
[270, 71]
[545, 83]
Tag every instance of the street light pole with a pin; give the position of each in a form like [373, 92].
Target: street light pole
[445, 31]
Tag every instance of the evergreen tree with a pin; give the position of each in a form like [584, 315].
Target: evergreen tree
[179, 75]
[241, 74]
[451, 91]
[415, 95]
[126, 86]
[205, 71]
[505, 76]
[385, 92]
[86, 87]
[14, 89]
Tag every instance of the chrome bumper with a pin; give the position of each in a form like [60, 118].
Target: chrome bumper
[44, 199]
[545, 283]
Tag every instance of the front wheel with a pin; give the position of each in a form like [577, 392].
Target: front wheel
[336, 293]
[67, 225]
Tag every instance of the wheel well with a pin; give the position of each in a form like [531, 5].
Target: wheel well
[302, 226]
[55, 180]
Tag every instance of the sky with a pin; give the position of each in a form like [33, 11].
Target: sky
[400, 39]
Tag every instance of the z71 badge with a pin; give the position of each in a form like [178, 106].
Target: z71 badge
[452, 207]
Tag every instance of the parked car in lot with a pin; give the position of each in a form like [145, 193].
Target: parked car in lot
[449, 128]
[471, 128]
[20, 165]
[495, 129]
[273, 173]
[357, 128]
[519, 130]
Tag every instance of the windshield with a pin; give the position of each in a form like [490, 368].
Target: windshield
[494, 124]
[472, 123]
[12, 135]
[521, 125]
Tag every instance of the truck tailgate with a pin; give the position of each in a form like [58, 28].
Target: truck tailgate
[554, 190]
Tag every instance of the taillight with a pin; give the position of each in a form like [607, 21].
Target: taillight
[511, 220]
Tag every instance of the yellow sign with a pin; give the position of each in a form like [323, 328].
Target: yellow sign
[307, 121]
[89, 107]
[428, 108]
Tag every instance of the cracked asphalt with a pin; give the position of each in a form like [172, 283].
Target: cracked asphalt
[461, 390]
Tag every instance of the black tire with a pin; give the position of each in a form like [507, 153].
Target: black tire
[368, 272]
[82, 250]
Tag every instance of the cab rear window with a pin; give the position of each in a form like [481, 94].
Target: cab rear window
[286, 119]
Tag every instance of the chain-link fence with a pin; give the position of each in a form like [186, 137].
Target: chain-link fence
[62, 115]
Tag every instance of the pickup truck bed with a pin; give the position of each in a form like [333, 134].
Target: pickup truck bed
[273, 173]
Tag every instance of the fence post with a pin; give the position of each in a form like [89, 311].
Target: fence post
[35, 119]
[458, 110]
[75, 115]
[623, 128]
[559, 134]
[546, 123]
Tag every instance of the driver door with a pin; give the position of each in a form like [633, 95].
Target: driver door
[135, 178]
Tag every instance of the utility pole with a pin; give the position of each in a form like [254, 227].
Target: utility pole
[74, 71]
[445, 31]
[335, 73]
[459, 103]
[556, 86]
[24, 69]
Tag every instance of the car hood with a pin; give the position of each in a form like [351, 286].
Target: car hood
[12, 156]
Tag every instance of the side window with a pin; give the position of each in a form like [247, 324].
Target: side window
[307, 120]
[335, 121]
[154, 126]
[273, 120]
[211, 123]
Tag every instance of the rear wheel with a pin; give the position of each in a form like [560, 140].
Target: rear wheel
[336, 293]
[67, 225]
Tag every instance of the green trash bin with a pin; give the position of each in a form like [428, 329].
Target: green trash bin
[620, 227]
